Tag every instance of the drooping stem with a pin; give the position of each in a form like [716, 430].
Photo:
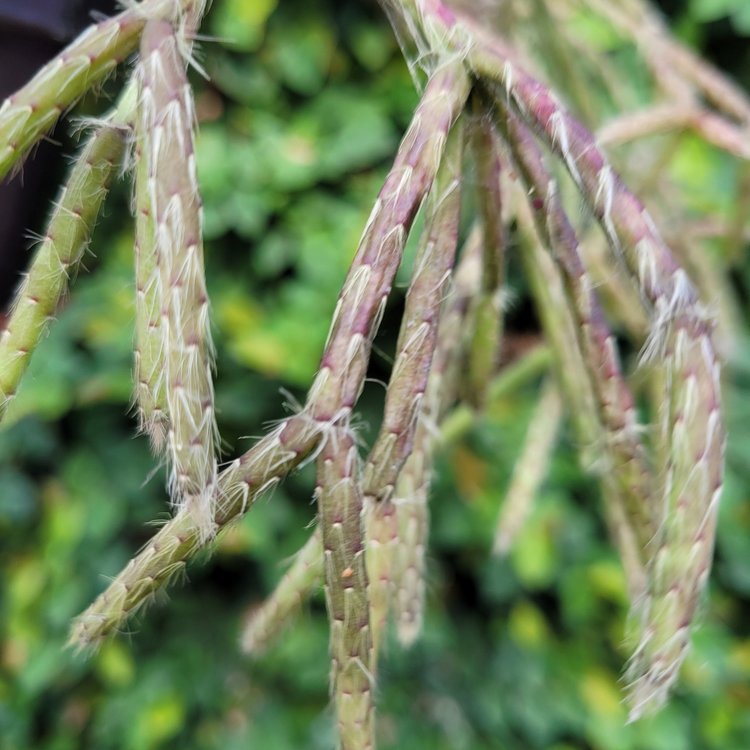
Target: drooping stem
[341, 512]
[185, 349]
[530, 468]
[58, 257]
[360, 306]
[681, 337]
[615, 402]
[673, 63]
[413, 485]
[355, 323]
[409, 379]
[416, 342]
[267, 621]
[484, 350]
[32, 111]
[166, 554]
[150, 372]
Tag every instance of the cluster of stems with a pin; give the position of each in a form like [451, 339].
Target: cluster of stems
[478, 107]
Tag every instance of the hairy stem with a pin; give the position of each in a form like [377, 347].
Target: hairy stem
[484, 350]
[615, 402]
[341, 512]
[368, 284]
[267, 621]
[412, 488]
[185, 356]
[165, 555]
[409, 379]
[32, 111]
[57, 259]
[530, 468]
[282, 450]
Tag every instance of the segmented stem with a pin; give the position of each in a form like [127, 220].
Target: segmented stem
[531, 467]
[404, 561]
[558, 322]
[266, 622]
[681, 327]
[362, 301]
[341, 511]
[150, 372]
[556, 317]
[354, 325]
[414, 354]
[382, 547]
[166, 554]
[683, 548]
[168, 121]
[57, 259]
[484, 351]
[413, 485]
[615, 402]
[416, 341]
[673, 64]
[32, 111]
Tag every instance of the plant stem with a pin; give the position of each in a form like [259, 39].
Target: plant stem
[485, 346]
[185, 354]
[341, 512]
[57, 259]
[410, 376]
[344, 363]
[530, 468]
[166, 553]
[32, 111]
[267, 621]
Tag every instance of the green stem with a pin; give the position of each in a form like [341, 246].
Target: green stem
[185, 353]
[267, 621]
[58, 257]
[341, 511]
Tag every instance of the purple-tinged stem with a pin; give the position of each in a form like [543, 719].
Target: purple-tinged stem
[412, 488]
[681, 332]
[32, 111]
[369, 281]
[615, 402]
[406, 389]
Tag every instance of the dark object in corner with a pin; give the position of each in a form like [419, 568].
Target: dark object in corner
[31, 33]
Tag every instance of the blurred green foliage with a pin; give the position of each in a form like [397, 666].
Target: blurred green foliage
[303, 111]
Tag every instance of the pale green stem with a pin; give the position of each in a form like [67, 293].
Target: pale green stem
[412, 488]
[166, 554]
[681, 340]
[150, 370]
[58, 257]
[531, 467]
[33, 110]
[267, 622]
[341, 513]
[409, 380]
[485, 346]
[185, 352]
